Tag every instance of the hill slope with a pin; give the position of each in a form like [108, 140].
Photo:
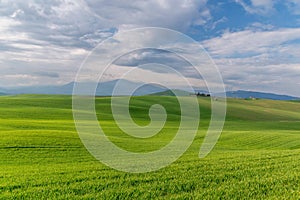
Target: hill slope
[42, 157]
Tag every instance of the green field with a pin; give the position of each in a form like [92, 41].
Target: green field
[42, 157]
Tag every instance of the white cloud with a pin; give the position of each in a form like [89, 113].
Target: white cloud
[258, 6]
[44, 42]
[293, 6]
[176, 14]
[257, 26]
[143, 45]
[88, 20]
[56, 35]
[268, 4]
[259, 60]
[279, 78]
[265, 7]
[220, 21]
[246, 42]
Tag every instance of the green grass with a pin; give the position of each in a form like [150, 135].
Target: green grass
[42, 157]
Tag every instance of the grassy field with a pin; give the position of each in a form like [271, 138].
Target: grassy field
[42, 157]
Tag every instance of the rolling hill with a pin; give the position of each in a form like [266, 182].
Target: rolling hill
[42, 156]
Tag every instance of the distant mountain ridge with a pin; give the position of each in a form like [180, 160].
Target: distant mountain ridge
[259, 95]
[103, 88]
[241, 94]
[106, 89]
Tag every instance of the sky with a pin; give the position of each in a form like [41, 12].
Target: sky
[254, 43]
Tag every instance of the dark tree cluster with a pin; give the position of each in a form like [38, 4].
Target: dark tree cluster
[202, 94]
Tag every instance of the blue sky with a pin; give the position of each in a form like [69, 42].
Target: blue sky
[254, 43]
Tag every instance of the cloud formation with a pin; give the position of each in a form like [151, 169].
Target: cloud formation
[56, 35]
[258, 6]
[254, 42]
[259, 60]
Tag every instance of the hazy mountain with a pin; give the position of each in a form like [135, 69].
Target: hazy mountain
[234, 94]
[63, 89]
[106, 89]
[258, 95]
[103, 89]
[2, 91]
